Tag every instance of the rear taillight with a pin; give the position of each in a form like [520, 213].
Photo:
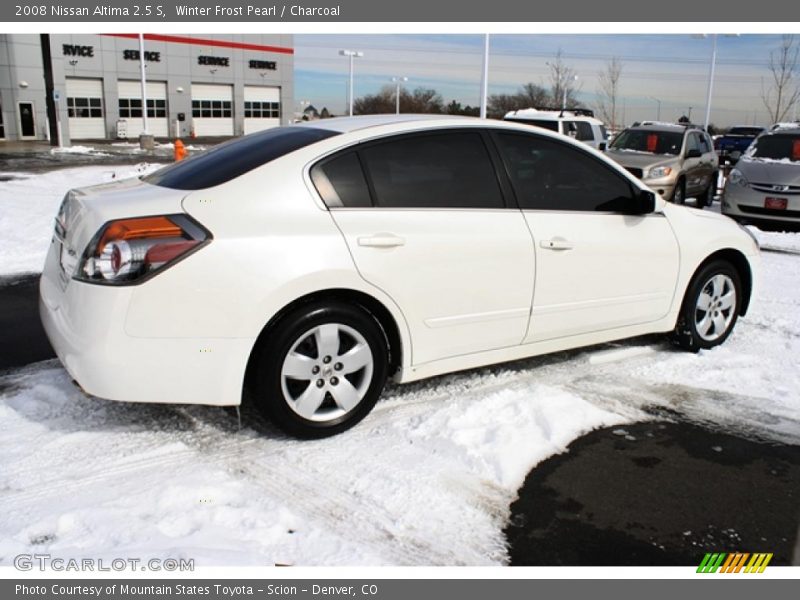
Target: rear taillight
[131, 250]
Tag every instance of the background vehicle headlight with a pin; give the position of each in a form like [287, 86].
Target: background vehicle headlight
[658, 172]
[737, 178]
[130, 250]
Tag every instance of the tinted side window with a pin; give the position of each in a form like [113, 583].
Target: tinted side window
[691, 142]
[703, 143]
[584, 131]
[548, 175]
[450, 170]
[340, 181]
[236, 157]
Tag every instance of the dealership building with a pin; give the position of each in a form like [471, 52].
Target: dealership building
[88, 87]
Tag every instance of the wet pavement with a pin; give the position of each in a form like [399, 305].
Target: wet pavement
[657, 494]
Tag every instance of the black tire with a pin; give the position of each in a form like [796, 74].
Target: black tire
[686, 333]
[267, 375]
[707, 197]
[679, 193]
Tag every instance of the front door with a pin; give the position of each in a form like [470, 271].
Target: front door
[598, 266]
[26, 120]
[429, 226]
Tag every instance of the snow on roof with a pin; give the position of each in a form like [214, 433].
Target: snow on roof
[785, 125]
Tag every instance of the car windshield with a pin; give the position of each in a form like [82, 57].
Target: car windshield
[551, 125]
[747, 131]
[777, 147]
[653, 142]
[235, 157]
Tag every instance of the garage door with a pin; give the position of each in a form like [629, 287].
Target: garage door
[130, 109]
[262, 108]
[212, 109]
[85, 108]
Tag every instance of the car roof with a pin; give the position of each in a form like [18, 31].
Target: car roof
[664, 127]
[348, 124]
[549, 115]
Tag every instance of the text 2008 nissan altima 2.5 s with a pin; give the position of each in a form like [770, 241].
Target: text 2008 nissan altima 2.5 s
[307, 264]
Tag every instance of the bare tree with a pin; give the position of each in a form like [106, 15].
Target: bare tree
[529, 95]
[783, 92]
[563, 82]
[609, 91]
[421, 100]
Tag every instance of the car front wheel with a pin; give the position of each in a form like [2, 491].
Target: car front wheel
[710, 307]
[679, 195]
[321, 370]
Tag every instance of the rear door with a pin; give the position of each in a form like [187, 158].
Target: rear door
[426, 221]
[598, 267]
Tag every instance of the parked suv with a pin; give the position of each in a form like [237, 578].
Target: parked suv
[577, 123]
[676, 161]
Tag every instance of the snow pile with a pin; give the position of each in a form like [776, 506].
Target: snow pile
[29, 203]
[774, 240]
[427, 478]
[78, 150]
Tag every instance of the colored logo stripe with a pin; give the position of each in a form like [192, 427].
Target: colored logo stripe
[734, 562]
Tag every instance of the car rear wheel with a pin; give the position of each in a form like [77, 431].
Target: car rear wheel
[322, 370]
[710, 308]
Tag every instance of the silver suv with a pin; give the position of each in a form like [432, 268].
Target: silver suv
[676, 161]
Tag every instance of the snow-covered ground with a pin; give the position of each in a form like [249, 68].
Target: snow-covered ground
[28, 206]
[426, 479]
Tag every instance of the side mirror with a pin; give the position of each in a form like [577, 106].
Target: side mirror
[643, 203]
[694, 153]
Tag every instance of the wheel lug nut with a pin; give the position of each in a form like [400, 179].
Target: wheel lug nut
[315, 369]
[326, 360]
[338, 366]
[320, 382]
[334, 380]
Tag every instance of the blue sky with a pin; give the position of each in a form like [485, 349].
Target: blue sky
[670, 68]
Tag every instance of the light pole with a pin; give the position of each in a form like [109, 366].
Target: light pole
[564, 101]
[689, 116]
[485, 75]
[711, 69]
[397, 81]
[351, 54]
[658, 117]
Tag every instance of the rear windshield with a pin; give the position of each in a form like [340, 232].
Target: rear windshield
[777, 147]
[236, 157]
[654, 142]
[551, 125]
[746, 131]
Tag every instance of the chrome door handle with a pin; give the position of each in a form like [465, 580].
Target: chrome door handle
[556, 244]
[381, 240]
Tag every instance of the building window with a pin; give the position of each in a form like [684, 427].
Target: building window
[262, 110]
[84, 108]
[212, 109]
[131, 108]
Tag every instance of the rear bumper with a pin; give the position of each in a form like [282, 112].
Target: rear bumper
[85, 325]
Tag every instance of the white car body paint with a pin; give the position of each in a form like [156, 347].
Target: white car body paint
[466, 288]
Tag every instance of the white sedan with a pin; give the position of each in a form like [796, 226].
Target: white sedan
[307, 264]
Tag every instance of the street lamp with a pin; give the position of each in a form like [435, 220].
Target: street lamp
[658, 118]
[564, 102]
[711, 68]
[351, 54]
[397, 81]
[485, 76]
